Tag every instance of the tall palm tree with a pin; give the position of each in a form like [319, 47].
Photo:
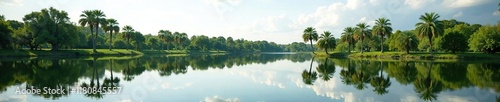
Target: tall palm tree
[99, 20]
[310, 34]
[127, 33]
[347, 36]
[181, 39]
[88, 18]
[362, 32]
[165, 36]
[326, 41]
[429, 27]
[382, 28]
[111, 26]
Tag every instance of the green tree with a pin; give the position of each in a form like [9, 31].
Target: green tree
[362, 31]
[310, 34]
[326, 41]
[429, 27]
[486, 39]
[127, 34]
[454, 41]
[111, 26]
[382, 28]
[35, 33]
[403, 41]
[347, 36]
[5, 33]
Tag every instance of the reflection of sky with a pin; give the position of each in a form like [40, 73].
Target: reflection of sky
[276, 81]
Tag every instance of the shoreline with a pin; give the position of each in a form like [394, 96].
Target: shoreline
[413, 56]
[89, 52]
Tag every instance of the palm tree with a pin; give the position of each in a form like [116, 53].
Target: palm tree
[88, 18]
[127, 34]
[407, 40]
[99, 20]
[310, 34]
[347, 36]
[181, 39]
[111, 26]
[326, 41]
[362, 31]
[165, 36]
[429, 27]
[382, 28]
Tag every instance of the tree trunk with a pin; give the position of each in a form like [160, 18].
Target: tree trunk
[312, 48]
[93, 40]
[55, 47]
[382, 44]
[326, 51]
[362, 44]
[128, 42]
[110, 39]
[430, 45]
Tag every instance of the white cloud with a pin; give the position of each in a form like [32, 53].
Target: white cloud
[12, 3]
[459, 14]
[220, 99]
[463, 3]
[15, 98]
[496, 13]
[415, 4]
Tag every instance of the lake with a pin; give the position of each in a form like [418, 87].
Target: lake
[263, 77]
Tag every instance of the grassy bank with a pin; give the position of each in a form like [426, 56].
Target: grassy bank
[89, 52]
[415, 55]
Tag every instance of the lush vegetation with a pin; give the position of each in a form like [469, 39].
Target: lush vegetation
[51, 28]
[430, 35]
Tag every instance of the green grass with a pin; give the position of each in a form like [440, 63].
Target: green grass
[412, 55]
[89, 52]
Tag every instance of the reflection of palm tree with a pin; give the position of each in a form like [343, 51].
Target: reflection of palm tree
[128, 72]
[92, 84]
[326, 71]
[380, 83]
[426, 87]
[111, 82]
[346, 74]
[359, 79]
[308, 77]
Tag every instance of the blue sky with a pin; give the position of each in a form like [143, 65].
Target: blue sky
[280, 21]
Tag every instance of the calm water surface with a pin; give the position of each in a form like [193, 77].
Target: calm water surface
[266, 77]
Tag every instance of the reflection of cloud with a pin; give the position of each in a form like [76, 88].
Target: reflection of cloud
[126, 100]
[260, 76]
[219, 99]
[14, 98]
[166, 85]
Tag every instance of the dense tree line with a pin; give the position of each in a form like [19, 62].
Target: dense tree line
[51, 28]
[431, 34]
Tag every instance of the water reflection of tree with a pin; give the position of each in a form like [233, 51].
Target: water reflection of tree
[111, 82]
[380, 83]
[425, 86]
[93, 81]
[326, 70]
[404, 72]
[308, 77]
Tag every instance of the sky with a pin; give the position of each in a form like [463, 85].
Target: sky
[280, 21]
